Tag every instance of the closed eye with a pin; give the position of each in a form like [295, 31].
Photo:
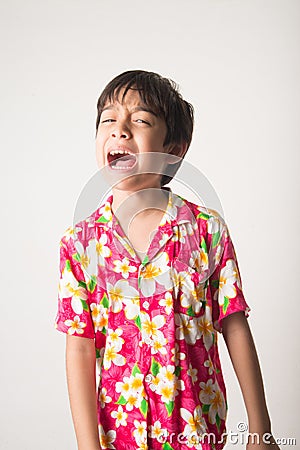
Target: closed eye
[108, 120]
[142, 121]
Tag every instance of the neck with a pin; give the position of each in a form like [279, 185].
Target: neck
[142, 203]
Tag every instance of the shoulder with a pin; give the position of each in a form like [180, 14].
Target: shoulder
[80, 232]
[206, 218]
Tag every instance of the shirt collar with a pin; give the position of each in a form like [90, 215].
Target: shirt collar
[177, 212]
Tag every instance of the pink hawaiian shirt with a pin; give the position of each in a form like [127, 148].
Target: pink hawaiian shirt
[155, 324]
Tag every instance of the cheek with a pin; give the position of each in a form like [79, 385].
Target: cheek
[100, 152]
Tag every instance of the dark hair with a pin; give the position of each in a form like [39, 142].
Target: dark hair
[163, 96]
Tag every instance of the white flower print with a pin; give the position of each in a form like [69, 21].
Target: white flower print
[192, 295]
[106, 211]
[196, 425]
[177, 355]
[209, 364]
[107, 439]
[140, 432]
[71, 232]
[214, 224]
[168, 384]
[87, 256]
[156, 272]
[69, 287]
[120, 416]
[167, 302]
[186, 328]
[124, 267]
[99, 316]
[114, 339]
[123, 292]
[157, 432]
[103, 397]
[151, 333]
[132, 389]
[211, 395]
[205, 328]
[217, 406]
[111, 355]
[75, 325]
[192, 373]
[207, 391]
[102, 250]
[228, 276]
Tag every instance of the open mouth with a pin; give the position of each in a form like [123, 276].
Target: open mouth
[121, 159]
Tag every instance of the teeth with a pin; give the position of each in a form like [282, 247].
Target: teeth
[120, 152]
[120, 168]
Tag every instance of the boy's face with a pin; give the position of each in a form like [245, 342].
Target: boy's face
[131, 127]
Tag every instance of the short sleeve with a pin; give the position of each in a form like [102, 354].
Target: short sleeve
[225, 282]
[73, 314]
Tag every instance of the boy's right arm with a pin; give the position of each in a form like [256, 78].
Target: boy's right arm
[81, 379]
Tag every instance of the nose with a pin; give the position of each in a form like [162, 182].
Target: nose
[121, 131]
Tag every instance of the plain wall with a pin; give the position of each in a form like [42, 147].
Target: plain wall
[237, 62]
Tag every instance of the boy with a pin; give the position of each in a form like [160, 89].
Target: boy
[144, 291]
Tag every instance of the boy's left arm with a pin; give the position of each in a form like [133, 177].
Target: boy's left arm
[242, 352]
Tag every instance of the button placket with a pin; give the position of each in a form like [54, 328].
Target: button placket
[142, 269]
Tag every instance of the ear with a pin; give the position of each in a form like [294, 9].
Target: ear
[177, 150]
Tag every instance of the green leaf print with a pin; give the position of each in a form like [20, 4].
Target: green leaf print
[203, 216]
[104, 301]
[215, 284]
[92, 284]
[68, 264]
[97, 352]
[82, 284]
[190, 311]
[205, 409]
[139, 281]
[203, 244]
[84, 305]
[101, 219]
[145, 260]
[138, 322]
[76, 256]
[144, 407]
[177, 370]
[135, 370]
[121, 400]
[216, 239]
[167, 446]
[218, 422]
[225, 305]
[170, 407]
[155, 366]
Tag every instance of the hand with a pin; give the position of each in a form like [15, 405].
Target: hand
[270, 443]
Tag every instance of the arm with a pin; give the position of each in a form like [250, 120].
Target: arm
[81, 379]
[241, 348]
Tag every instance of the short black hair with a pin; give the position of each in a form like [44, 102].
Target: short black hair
[163, 95]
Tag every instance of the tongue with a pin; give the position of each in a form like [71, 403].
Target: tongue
[125, 161]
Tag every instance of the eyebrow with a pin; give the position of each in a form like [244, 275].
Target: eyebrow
[137, 108]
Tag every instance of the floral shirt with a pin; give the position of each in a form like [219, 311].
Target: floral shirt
[155, 324]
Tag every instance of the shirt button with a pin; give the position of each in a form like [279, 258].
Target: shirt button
[148, 378]
[143, 268]
[146, 305]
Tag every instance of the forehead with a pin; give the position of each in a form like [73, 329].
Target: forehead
[130, 99]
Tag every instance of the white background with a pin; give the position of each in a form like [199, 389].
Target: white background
[237, 62]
